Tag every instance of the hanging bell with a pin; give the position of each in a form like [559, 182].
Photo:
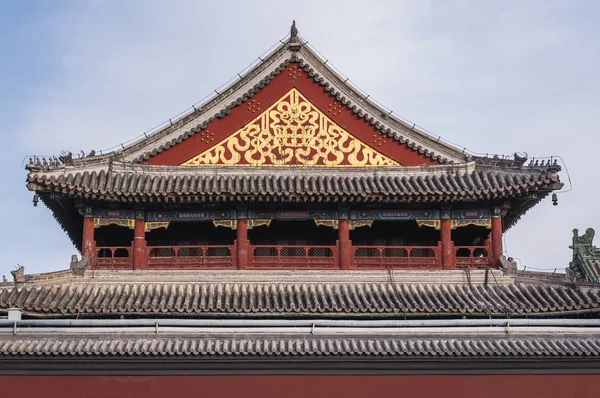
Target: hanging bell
[555, 199]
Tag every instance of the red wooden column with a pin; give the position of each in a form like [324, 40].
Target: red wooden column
[88, 244]
[496, 236]
[242, 239]
[448, 255]
[140, 252]
[344, 240]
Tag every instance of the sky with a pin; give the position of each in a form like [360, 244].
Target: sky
[492, 76]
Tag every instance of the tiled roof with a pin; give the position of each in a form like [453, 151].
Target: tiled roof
[435, 347]
[153, 183]
[296, 299]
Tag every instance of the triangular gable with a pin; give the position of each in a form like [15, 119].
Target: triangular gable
[359, 142]
[293, 64]
[292, 131]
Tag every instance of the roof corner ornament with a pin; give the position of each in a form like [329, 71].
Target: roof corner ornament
[66, 158]
[295, 43]
[18, 274]
[78, 267]
[520, 159]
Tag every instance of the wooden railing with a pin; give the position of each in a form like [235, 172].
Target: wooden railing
[285, 256]
[415, 257]
[113, 257]
[472, 256]
[290, 257]
[189, 257]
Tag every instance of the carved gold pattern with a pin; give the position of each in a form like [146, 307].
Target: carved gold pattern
[121, 222]
[226, 223]
[293, 132]
[258, 223]
[360, 223]
[478, 222]
[436, 224]
[328, 223]
[149, 226]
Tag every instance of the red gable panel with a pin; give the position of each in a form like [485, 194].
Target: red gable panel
[292, 77]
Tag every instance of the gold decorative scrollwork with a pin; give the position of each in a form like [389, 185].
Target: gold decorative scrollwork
[258, 223]
[436, 224]
[478, 222]
[226, 223]
[328, 223]
[121, 222]
[291, 132]
[149, 226]
[360, 223]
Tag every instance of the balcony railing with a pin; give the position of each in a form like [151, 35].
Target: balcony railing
[188, 257]
[291, 257]
[472, 256]
[114, 257]
[276, 256]
[407, 257]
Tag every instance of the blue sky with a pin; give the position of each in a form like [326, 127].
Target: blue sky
[494, 76]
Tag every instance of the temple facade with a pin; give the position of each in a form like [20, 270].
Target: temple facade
[290, 168]
[290, 225]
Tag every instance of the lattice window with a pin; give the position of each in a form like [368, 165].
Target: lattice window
[320, 252]
[395, 252]
[190, 252]
[218, 252]
[163, 252]
[185, 251]
[422, 252]
[265, 251]
[290, 250]
[366, 252]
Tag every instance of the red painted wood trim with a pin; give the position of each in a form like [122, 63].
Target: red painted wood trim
[345, 244]
[140, 254]
[88, 243]
[379, 260]
[448, 253]
[242, 243]
[496, 240]
[221, 128]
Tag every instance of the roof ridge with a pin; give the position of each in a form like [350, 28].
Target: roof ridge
[291, 50]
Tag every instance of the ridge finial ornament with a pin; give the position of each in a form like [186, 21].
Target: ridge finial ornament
[294, 40]
[294, 31]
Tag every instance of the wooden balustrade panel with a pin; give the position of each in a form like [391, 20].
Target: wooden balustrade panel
[293, 257]
[396, 257]
[113, 257]
[472, 256]
[191, 257]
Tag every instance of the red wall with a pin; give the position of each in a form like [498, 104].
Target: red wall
[313, 386]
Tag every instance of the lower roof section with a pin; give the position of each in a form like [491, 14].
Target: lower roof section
[178, 349]
[333, 294]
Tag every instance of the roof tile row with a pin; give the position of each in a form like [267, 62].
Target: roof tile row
[475, 184]
[339, 346]
[367, 299]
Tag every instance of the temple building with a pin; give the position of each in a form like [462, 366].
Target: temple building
[292, 225]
